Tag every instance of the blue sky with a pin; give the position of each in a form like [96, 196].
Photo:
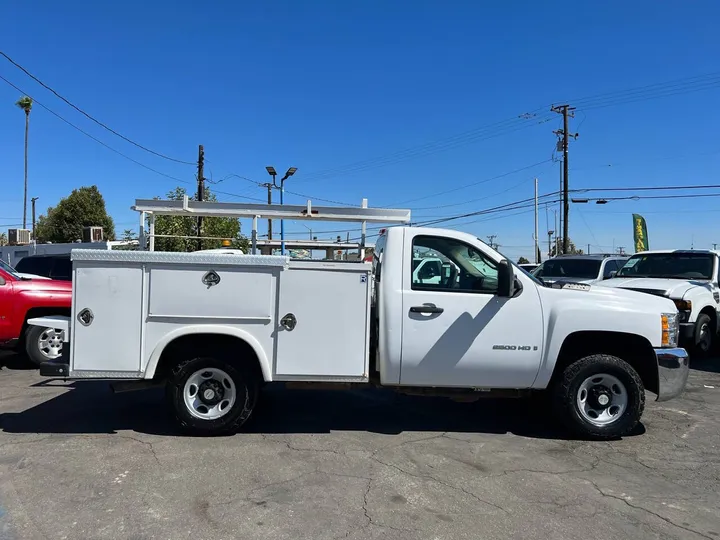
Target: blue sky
[325, 85]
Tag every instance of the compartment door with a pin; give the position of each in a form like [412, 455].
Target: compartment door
[329, 339]
[111, 341]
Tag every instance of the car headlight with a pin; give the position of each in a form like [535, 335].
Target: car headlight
[670, 329]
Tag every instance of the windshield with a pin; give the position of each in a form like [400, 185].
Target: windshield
[568, 268]
[9, 269]
[669, 265]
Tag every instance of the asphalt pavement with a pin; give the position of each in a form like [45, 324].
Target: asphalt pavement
[77, 461]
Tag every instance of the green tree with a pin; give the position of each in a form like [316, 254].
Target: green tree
[128, 235]
[25, 103]
[84, 207]
[3, 239]
[214, 227]
[557, 248]
[523, 260]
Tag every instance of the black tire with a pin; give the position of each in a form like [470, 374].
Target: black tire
[703, 337]
[566, 390]
[31, 345]
[246, 383]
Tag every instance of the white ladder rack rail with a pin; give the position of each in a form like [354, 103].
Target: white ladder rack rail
[186, 207]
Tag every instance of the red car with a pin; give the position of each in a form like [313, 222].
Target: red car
[22, 298]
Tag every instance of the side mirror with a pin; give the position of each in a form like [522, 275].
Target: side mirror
[506, 279]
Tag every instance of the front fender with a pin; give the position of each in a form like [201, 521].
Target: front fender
[576, 313]
[232, 331]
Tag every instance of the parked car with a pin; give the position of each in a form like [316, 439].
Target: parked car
[528, 267]
[50, 266]
[22, 298]
[214, 328]
[586, 269]
[5, 266]
[690, 279]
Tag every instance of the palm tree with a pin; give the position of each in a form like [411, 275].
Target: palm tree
[25, 103]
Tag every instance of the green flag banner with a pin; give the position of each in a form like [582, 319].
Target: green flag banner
[640, 234]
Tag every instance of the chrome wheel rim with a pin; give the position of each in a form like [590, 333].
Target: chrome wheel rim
[704, 337]
[50, 343]
[209, 393]
[602, 399]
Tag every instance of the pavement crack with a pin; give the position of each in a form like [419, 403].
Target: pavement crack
[442, 483]
[655, 514]
[147, 444]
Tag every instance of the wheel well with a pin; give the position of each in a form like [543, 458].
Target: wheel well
[193, 345]
[633, 349]
[41, 312]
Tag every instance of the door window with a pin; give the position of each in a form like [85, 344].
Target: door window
[610, 266]
[449, 265]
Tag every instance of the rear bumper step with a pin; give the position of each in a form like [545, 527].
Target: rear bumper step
[54, 369]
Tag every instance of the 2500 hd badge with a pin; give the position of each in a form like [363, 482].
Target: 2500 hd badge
[514, 348]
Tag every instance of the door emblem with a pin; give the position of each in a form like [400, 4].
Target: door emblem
[211, 278]
[85, 317]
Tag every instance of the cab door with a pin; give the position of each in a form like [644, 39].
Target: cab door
[459, 332]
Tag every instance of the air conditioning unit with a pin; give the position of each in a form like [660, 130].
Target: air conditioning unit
[18, 237]
[92, 234]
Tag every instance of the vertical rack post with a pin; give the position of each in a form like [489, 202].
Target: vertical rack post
[254, 235]
[363, 232]
[152, 232]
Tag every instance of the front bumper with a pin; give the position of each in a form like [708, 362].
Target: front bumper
[673, 370]
[687, 332]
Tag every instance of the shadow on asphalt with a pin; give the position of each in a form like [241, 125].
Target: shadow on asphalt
[91, 407]
[708, 365]
[15, 362]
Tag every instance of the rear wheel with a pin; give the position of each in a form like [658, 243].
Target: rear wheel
[43, 344]
[600, 396]
[211, 396]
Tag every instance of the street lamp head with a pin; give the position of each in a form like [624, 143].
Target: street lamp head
[576, 201]
[601, 201]
[271, 170]
[291, 171]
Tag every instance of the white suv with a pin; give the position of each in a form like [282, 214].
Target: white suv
[586, 269]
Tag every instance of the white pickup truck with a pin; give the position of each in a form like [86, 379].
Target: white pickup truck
[214, 328]
[687, 277]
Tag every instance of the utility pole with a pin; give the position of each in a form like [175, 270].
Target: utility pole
[714, 246]
[491, 239]
[621, 250]
[537, 227]
[588, 251]
[567, 112]
[201, 190]
[269, 187]
[33, 218]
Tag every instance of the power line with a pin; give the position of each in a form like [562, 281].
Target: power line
[471, 184]
[36, 102]
[98, 122]
[522, 121]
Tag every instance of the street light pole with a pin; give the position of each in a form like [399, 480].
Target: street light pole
[288, 174]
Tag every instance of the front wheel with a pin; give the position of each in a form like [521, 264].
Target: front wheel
[210, 396]
[600, 396]
[704, 336]
[43, 344]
